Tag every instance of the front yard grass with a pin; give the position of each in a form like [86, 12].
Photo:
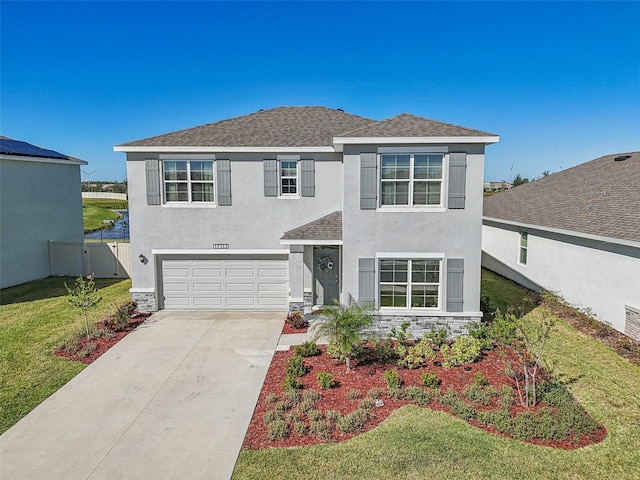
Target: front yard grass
[34, 317]
[416, 443]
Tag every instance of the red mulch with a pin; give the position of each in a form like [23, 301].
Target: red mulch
[103, 344]
[288, 329]
[367, 375]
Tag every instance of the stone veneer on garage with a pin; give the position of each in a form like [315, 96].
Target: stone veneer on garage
[632, 324]
[146, 301]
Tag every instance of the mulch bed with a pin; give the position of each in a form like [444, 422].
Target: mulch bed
[103, 344]
[366, 375]
[288, 329]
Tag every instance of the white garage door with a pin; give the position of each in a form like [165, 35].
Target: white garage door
[238, 283]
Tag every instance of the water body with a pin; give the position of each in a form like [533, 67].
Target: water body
[119, 231]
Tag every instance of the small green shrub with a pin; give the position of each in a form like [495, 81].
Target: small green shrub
[417, 355]
[430, 379]
[353, 422]
[402, 334]
[271, 398]
[488, 308]
[332, 417]
[417, 395]
[375, 393]
[476, 393]
[480, 379]
[291, 398]
[307, 349]
[506, 397]
[367, 404]
[120, 319]
[305, 405]
[449, 398]
[383, 350]
[311, 396]
[352, 394]
[325, 380]
[320, 429]
[300, 428]
[465, 349]
[393, 379]
[463, 410]
[272, 415]
[296, 366]
[314, 415]
[87, 350]
[291, 383]
[278, 430]
[436, 336]
[396, 393]
[293, 416]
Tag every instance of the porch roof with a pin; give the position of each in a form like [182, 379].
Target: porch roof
[327, 228]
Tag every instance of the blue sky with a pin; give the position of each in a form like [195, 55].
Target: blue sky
[559, 82]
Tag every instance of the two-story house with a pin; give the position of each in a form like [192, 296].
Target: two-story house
[292, 207]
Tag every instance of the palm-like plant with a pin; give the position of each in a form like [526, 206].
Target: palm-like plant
[345, 327]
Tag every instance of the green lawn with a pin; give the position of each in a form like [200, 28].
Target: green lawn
[111, 203]
[34, 317]
[416, 443]
[93, 217]
[504, 293]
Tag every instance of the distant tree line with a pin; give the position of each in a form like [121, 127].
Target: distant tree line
[105, 186]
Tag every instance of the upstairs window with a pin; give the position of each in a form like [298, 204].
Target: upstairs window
[524, 240]
[412, 180]
[188, 181]
[288, 178]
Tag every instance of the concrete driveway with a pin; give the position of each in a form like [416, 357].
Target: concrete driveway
[172, 400]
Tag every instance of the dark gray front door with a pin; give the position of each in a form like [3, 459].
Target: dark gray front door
[326, 270]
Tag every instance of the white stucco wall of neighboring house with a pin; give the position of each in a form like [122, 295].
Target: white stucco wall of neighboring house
[452, 233]
[590, 274]
[252, 222]
[39, 201]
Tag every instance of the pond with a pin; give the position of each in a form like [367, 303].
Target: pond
[119, 231]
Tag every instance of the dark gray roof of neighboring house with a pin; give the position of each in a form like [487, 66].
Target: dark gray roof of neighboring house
[407, 125]
[276, 127]
[600, 197]
[9, 146]
[328, 227]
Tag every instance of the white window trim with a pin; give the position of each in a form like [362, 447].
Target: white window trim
[190, 203]
[410, 257]
[413, 208]
[290, 196]
[521, 248]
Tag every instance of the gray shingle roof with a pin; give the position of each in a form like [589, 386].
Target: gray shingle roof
[276, 127]
[600, 197]
[328, 227]
[407, 125]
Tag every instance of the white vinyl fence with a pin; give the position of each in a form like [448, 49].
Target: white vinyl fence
[102, 259]
[116, 196]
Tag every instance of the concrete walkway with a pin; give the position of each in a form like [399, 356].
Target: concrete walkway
[172, 400]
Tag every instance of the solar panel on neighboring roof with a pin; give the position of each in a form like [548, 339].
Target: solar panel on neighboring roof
[16, 147]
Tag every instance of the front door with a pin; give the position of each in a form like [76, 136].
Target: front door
[326, 270]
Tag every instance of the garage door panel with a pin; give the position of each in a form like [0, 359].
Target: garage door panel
[225, 284]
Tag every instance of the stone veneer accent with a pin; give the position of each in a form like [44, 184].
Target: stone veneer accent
[421, 325]
[296, 306]
[632, 324]
[146, 301]
[308, 302]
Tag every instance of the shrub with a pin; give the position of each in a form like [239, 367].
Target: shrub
[436, 336]
[375, 393]
[314, 415]
[417, 395]
[320, 429]
[465, 349]
[476, 393]
[506, 397]
[401, 335]
[311, 396]
[87, 350]
[430, 379]
[278, 430]
[397, 393]
[367, 403]
[296, 320]
[449, 398]
[353, 422]
[307, 349]
[271, 398]
[300, 428]
[463, 410]
[393, 379]
[345, 325]
[480, 379]
[353, 394]
[383, 351]
[272, 415]
[332, 417]
[120, 319]
[291, 383]
[84, 296]
[305, 405]
[325, 380]
[99, 332]
[291, 398]
[293, 416]
[417, 355]
[296, 366]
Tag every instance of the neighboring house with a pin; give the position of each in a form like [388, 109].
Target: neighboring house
[496, 186]
[40, 202]
[292, 207]
[577, 233]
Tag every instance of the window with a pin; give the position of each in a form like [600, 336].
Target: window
[188, 181]
[524, 239]
[288, 178]
[411, 179]
[410, 283]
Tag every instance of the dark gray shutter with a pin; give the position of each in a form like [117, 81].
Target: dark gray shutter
[455, 279]
[308, 178]
[457, 179]
[367, 281]
[270, 178]
[368, 181]
[223, 170]
[152, 169]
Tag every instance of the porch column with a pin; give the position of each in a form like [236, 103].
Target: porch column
[296, 278]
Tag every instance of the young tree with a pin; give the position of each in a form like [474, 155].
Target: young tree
[345, 326]
[84, 296]
[519, 180]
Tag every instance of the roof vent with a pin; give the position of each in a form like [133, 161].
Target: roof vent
[621, 158]
[339, 109]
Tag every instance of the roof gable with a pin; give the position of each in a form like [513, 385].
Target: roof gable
[600, 197]
[328, 227]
